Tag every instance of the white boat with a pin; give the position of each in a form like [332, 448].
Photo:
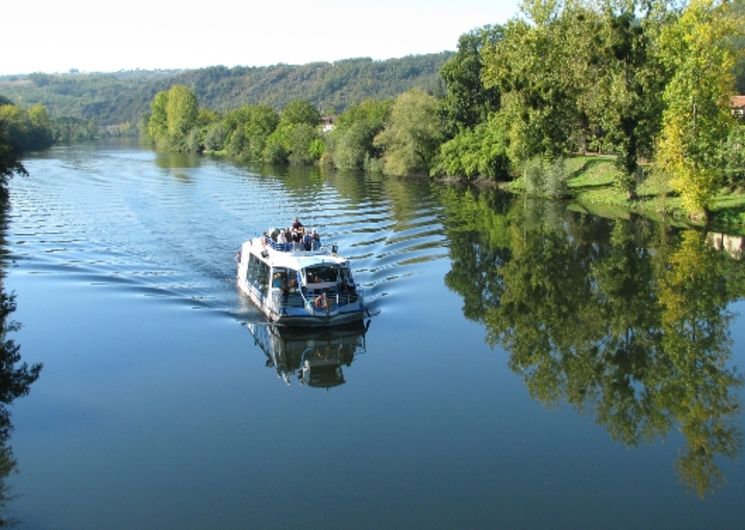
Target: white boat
[299, 284]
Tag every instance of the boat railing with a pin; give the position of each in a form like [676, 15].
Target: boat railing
[320, 302]
[315, 246]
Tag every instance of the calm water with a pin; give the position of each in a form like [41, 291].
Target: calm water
[525, 366]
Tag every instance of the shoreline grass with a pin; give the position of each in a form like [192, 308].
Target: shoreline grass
[592, 188]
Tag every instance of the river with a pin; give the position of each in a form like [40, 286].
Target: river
[525, 365]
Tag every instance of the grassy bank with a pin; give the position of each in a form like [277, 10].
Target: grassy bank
[592, 188]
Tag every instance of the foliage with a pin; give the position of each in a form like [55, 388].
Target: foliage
[245, 131]
[732, 156]
[546, 178]
[412, 134]
[467, 102]
[355, 130]
[68, 129]
[697, 119]
[481, 151]
[300, 111]
[625, 101]
[9, 160]
[112, 98]
[174, 113]
[532, 68]
[26, 129]
[296, 143]
[21, 130]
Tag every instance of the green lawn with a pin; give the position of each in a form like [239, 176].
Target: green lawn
[592, 188]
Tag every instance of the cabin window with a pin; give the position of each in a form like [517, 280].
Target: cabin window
[258, 274]
[280, 279]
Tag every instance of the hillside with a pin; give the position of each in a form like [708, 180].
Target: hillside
[113, 98]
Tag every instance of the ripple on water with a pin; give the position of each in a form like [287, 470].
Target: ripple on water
[116, 218]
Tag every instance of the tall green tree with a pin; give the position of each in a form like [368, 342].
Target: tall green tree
[477, 152]
[533, 68]
[182, 111]
[467, 102]
[157, 123]
[697, 119]
[173, 115]
[625, 96]
[300, 111]
[247, 130]
[412, 135]
[297, 138]
[355, 130]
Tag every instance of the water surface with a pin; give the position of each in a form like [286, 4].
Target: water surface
[525, 366]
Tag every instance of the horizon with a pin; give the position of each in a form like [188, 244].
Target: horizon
[79, 36]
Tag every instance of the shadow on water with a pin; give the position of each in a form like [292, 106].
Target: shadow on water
[626, 319]
[16, 377]
[310, 357]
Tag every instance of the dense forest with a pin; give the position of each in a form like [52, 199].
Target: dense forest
[110, 99]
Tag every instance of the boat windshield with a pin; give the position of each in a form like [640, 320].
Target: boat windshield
[322, 274]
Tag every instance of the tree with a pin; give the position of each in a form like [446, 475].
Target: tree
[697, 120]
[481, 151]
[355, 130]
[625, 98]
[9, 159]
[467, 102]
[181, 116]
[173, 114]
[412, 135]
[300, 111]
[534, 69]
[157, 123]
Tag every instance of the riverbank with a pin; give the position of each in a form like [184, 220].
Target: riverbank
[591, 187]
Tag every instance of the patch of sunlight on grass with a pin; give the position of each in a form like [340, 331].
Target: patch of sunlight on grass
[591, 171]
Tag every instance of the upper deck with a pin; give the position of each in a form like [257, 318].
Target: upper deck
[292, 255]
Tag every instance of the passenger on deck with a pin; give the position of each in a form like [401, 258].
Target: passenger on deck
[316, 240]
[322, 301]
[307, 241]
[297, 225]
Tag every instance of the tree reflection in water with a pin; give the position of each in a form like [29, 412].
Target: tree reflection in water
[625, 318]
[16, 378]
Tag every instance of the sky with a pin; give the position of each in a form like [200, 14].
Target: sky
[99, 36]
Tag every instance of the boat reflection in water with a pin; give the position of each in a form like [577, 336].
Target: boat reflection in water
[313, 356]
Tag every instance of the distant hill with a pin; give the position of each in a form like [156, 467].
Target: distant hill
[113, 98]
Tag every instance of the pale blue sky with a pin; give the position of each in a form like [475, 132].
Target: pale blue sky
[95, 35]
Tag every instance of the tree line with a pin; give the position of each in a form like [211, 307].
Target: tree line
[123, 97]
[647, 81]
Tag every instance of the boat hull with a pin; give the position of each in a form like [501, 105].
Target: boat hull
[302, 317]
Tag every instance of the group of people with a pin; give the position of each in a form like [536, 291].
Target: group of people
[298, 236]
